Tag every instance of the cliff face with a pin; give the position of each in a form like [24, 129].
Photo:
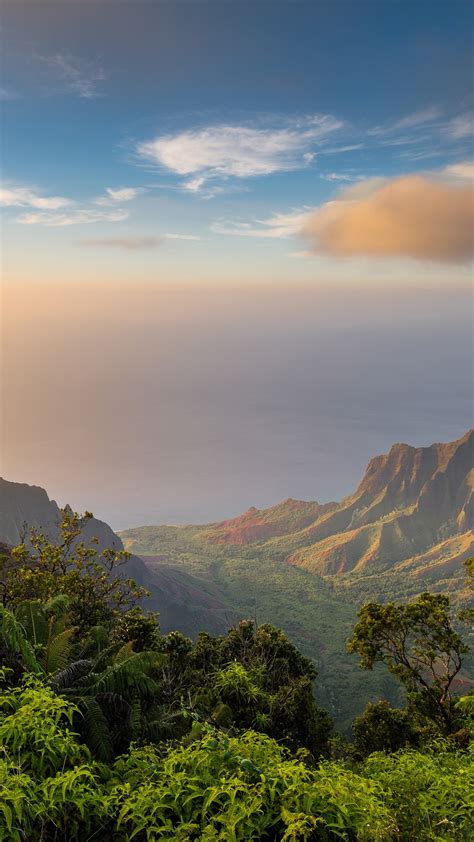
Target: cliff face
[409, 501]
[25, 506]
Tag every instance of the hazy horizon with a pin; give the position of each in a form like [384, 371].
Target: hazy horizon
[191, 405]
[236, 247]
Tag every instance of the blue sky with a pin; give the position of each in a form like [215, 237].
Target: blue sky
[205, 119]
[237, 244]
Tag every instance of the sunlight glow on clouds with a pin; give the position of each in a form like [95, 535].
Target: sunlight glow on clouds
[411, 216]
[128, 243]
[464, 170]
[239, 151]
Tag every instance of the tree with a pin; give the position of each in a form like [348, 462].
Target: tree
[383, 728]
[39, 569]
[418, 644]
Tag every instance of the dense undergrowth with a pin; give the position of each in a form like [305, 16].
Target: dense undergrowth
[110, 730]
[212, 786]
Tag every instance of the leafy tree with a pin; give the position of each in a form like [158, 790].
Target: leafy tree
[142, 629]
[383, 728]
[419, 645]
[39, 569]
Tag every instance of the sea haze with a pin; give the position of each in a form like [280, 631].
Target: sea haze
[156, 404]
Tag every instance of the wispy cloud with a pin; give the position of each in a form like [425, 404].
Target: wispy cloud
[79, 76]
[182, 237]
[117, 195]
[7, 95]
[277, 226]
[464, 170]
[460, 127]
[127, 243]
[410, 121]
[339, 176]
[82, 216]
[27, 197]
[237, 151]
[135, 243]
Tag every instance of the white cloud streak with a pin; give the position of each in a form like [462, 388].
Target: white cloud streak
[410, 121]
[224, 151]
[26, 197]
[120, 194]
[82, 216]
[278, 226]
[460, 127]
[182, 237]
[464, 170]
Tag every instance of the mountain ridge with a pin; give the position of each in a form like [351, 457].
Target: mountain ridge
[412, 505]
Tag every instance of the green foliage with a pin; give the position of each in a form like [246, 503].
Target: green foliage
[135, 626]
[383, 728]
[15, 642]
[35, 729]
[48, 629]
[219, 787]
[429, 794]
[419, 645]
[39, 570]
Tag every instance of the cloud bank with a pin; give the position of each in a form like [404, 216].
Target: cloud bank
[409, 217]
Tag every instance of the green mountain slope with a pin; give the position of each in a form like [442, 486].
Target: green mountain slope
[306, 567]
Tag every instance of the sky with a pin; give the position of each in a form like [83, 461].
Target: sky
[236, 247]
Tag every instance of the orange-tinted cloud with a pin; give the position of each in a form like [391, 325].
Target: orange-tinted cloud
[411, 216]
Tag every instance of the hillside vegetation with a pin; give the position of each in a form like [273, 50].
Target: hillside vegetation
[307, 567]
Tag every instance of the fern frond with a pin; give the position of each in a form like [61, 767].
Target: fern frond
[96, 727]
[67, 677]
[14, 635]
[56, 656]
[31, 616]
